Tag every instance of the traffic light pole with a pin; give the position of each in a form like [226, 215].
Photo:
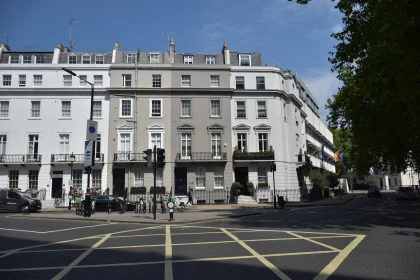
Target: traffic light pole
[154, 181]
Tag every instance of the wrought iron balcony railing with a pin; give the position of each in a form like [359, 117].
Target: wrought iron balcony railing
[128, 156]
[201, 156]
[20, 159]
[78, 158]
[253, 155]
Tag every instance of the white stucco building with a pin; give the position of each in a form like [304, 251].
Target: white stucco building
[43, 113]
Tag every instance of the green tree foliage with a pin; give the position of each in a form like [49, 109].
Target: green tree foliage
[343, 144]
[332, 179]
[378, 59]
[318, 179]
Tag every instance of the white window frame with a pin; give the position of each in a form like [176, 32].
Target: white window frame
[265, 149]
[35, 143]
[131, 108]
[156, 129]
[214, 80]
[83, 59]
[124, 78]
[156, 81]
[186, 138]
[4, 109]
[39, 61]
[200, 174]
[262, 85]
[188, 59]
[97, 109]
[7, 82]
[150, 108]
[98, 146]
[13, 179]
[82, 83]
[155, 137]
[218, 175]
[102, 58]
[26, 61]
[62, 109]
[236, 82]
[96, 178]
[265, 106]
[71, 55]
[37, 82]
[262, 175]
[185, 80]
[64, 143]
[66, 81]
[138, 178]
[3, 144]
[11, 61]
[159, 178]
[182, 108]
[211, 108]
[216, 138]
[22, 80]
[210, 59]
[242, 56]
[236, 109]
[34, 110]
[130, 141]
[154, 58]
[244, 142]
[98, 80]
[33, 177]
[131, 55]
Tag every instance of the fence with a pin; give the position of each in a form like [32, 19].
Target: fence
[210, 196]
[267, 195]
[42, 194]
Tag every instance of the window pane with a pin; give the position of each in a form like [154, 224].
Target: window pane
[98, 80]
[97, 109]
[65, 109]
[215, 108]
[4, 109]
[185, 108]
[139, 178]
[156, 108]
[125, 108]
[35, 109]
[99, 59]
[214, 81]
[156, 81]
[200, 177]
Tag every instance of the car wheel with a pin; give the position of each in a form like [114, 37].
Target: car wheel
[22, 208]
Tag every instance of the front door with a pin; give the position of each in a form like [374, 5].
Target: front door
[118, 181]
[181, 181]
[57, 184]
[241, 175]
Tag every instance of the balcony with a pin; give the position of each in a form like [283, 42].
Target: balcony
[21, 159]
[199, 156]
[78, 158]
[253, 156]
[129, 157]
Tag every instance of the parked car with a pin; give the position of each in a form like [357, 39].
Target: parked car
[14, 200]
[406, 193]
[374, 192]
[102, 202]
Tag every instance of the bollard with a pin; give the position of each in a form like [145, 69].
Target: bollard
[171, 214]
[150, 207]
[109, 208]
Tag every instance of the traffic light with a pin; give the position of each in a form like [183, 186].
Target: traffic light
[160, 157]
[273, 167]
[148, 157]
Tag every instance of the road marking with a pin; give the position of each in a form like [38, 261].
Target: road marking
[52, 231]
[268, 264]
[162, 234]
[168, 255]
[335, 263]
[66, 270]
[21, 230]
[298, 254]
[313, 241]
[53, 250]
[131, 246]
[203, 243]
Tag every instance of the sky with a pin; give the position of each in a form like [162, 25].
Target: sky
[288, 35]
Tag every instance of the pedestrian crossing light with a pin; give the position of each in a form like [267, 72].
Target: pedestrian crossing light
[148, 157]
[160, 158]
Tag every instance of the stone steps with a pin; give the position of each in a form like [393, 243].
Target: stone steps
[244, 199]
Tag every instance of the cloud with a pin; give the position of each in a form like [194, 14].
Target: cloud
[323, 84]
[337, 28]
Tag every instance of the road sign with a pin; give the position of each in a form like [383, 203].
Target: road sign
[89, 154]
[92, 130]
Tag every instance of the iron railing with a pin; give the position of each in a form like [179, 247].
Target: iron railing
[201, 156]
[128, 156]
[253, 155]
[211, 196]
[267, 195]
[29, 158]
[78, 158]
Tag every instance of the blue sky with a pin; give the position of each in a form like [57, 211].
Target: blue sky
[288, 35]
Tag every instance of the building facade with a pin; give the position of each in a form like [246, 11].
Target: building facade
[43, 118]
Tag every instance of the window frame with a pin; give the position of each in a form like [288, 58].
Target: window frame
[31, 113]
[236, 109]
[153, 141]
[39, 59]
[151, 107]
[243, 82]
[156, 80]
[242, 142]
[100, 109]
[35, 142]
[263, 176]
[83, 83]
[96, 178]
[220, 108]
[242, 56]
[184, 81]
[62, 109]
[27, 61]
[259, 85]
[77, 178]
[3, 143]
[188, 59]
[96, 81]
[210, 58]
[188, 152]
[200, 176]
[130, 133]
[121, 109]
[125, 80]
[155, 56]
[265, 108]
[131, 55]
[138, 178]
[13, 178]
[33, 179]
[212, 80]
[96, 59]
[190, 108]
[83, 58]
[64, 142]
[9, 81]
[219, 174]
[265, 149]
[68, 58]
[35, 81]
[216, 153]
[6, 110]
[12, 61]
[66, 80]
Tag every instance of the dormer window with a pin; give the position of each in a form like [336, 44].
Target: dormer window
[27, 59]
[210, 60]
[188, 59]
[72, 59]
[39, 59]
[14, 59]
[99, 59]
[154, 58]
[131, 58]
[244, 60]
[86, 59]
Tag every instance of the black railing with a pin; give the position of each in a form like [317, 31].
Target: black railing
[29, 158]
[253, 155]
[211, 196]
[198, 156]
[65, 158]
[128, 156]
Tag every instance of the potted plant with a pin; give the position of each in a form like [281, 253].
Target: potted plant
[307, 158]
[300, 155]
[250, 188]
[236, 186]
[236, 150]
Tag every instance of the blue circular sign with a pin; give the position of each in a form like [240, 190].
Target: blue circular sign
[92, 129]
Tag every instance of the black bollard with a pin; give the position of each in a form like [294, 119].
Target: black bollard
[171, 214]
[109, 208]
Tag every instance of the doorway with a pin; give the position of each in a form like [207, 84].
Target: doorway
[241, 175]
[181, 181]
[57, 184]
[118, 181]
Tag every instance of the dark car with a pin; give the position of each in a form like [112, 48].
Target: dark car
[14, 200]
[374, 192]
[102, 202]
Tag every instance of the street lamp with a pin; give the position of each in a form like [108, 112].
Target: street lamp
[87, 212]
[273, 169]
[72, 158]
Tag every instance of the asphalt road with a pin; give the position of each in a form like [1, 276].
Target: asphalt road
[364, 239]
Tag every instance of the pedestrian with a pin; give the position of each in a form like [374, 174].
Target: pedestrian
[190, 200]
[70, 197]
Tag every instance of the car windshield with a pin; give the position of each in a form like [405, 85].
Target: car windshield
[24, 195]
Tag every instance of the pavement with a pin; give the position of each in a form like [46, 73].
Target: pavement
[362, 239]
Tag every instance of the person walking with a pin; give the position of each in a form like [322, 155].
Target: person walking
[190, 200]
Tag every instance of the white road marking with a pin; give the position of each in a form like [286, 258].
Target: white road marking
[52, 231]
[168, 255]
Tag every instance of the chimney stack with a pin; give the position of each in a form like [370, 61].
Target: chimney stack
[114, 52]
[4, 46]
[117, 46]
[172, 51]
[226, 53]
[57, 52]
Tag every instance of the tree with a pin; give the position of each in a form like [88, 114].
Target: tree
[343, 141]
[378, 61]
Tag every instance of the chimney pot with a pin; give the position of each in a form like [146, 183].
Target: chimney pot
[60, 47]
[5, 46]
[117, 46]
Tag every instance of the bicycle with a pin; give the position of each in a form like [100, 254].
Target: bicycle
[122, 208]
[180, 207]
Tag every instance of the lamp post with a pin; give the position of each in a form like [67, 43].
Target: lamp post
[273, 169]
[88, 207]
[72, 158]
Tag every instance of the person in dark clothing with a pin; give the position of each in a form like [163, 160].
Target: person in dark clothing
[190, 200]
[281, 201]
